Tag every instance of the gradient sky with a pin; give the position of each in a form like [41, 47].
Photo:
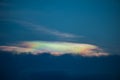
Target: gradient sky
[97, 22]
[94, 22]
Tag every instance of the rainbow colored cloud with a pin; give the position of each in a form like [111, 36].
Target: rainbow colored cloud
[55, 48]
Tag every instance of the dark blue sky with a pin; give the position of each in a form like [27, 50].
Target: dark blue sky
[66, 67]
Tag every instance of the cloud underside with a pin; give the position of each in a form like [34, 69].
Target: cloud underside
[54, 48]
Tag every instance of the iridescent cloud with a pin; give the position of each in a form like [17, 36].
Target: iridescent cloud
[55, 48]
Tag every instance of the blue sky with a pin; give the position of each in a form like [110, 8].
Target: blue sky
[96, 22]
[93, 22]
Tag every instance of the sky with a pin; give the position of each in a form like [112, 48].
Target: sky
[55, 26]
[82, 21]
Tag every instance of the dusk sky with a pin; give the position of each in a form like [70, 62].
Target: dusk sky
[79, 33]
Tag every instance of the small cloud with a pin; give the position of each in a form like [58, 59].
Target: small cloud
[55, 48]
[65, 35]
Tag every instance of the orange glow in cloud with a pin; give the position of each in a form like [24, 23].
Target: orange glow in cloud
[55, 48]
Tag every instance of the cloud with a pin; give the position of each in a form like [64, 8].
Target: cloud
[55, 48]
[43, 29]
[48, 31]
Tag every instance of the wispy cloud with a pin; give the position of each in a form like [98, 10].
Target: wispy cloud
[45, 30]
[37, 27]
[55, 48]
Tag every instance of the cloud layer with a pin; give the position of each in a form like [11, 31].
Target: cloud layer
[54, 48]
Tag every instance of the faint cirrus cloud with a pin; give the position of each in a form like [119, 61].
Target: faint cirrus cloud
[45, 30]
[38, 28]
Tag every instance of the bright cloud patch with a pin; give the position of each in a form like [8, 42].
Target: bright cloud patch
[55, 48]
